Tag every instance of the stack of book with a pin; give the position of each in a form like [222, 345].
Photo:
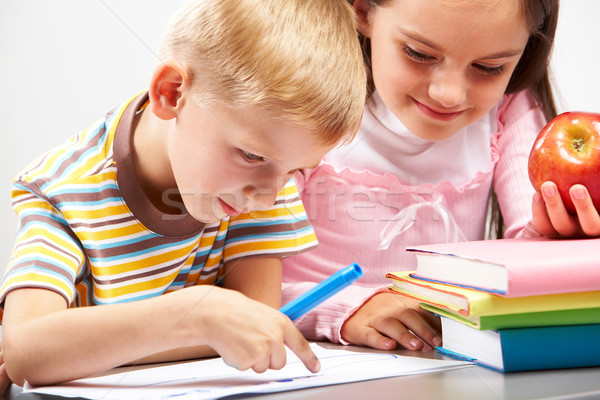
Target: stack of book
[511, 304]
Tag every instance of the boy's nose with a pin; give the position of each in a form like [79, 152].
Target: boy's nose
[260, 198]
[447, 89]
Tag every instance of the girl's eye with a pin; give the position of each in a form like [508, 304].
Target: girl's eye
[494, 71]
[252, 157]
[417, 56]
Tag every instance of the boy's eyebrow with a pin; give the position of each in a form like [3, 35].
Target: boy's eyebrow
[416, 36]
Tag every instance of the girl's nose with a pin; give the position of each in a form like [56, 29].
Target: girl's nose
[447, 88]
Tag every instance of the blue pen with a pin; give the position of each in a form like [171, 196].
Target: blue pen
[330, 286]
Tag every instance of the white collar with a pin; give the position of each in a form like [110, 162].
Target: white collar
[384, 144]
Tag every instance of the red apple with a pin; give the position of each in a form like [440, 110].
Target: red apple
[567, 152]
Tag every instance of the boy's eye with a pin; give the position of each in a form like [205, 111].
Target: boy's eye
[252, 157]
[495, 71]
[417, 56]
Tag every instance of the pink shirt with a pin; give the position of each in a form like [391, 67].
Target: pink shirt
[365, 215]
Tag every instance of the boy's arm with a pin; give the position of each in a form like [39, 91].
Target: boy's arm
[257, 277]
[45, 342]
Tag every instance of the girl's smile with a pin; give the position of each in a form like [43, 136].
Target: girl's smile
[437, 114]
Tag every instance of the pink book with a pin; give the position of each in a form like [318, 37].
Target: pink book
[513, 267]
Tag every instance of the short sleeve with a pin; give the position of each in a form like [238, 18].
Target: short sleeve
[46, 253]
[280, 231]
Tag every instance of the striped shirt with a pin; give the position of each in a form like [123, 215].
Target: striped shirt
[88, 232]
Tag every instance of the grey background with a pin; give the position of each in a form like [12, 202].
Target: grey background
[65, 62]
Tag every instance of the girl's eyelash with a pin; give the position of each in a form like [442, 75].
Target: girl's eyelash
[495, 71]
[421, 57]
[417, 56]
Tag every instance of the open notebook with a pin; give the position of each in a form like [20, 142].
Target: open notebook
[212, 378]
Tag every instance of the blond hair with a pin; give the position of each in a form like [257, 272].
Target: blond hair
[300, 58]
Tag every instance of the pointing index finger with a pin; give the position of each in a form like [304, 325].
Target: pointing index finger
[294, 340]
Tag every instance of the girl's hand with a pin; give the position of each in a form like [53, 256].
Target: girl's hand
[387, 319]
[552, 219]
[4, 379]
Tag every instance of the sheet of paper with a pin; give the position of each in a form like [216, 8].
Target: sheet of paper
[212, 379]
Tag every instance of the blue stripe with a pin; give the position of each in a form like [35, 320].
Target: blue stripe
[268, 236]
[131, 299]
[25, 188]
[54, 216]
[177, 285]
[56, 232]
[258, 224]
[167, 246]
[221, 234]
[42, 258]
[39, 269]
[94, 246]
[203, 253]
[67, 154]
[67, 204]
[62, 191]
[78, 164]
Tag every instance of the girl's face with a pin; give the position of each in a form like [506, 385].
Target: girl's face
[440, 65]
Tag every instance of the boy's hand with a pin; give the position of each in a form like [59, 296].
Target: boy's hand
[250, 334]
[552, 219]
[387, 319]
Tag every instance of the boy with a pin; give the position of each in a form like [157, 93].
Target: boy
[181, 188]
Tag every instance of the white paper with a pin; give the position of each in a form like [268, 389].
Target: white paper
[212, 379]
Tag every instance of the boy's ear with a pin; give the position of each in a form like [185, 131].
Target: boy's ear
[362, 8]
[166, 89]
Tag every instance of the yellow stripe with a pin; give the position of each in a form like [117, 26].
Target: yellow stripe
[270, 245]
[67, 245]
[128, 265]
[289, 211]
[112, 233]
[85, 213]
[135, 288]
[34, 203]
[26, 280]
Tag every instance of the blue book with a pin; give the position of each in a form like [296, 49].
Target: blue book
[523, 349]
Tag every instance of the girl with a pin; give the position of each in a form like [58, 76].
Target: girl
[459, 90]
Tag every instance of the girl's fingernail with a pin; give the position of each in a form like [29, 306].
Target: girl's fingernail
[578, 193]
[549, 191]
[414, 342]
